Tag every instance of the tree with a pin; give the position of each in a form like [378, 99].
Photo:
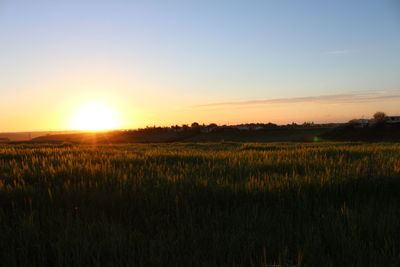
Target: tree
[195, 125]
[380, 117]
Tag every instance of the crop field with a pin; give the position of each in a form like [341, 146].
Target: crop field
[200, 204]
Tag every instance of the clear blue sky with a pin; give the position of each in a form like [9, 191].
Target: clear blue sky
[165, 58]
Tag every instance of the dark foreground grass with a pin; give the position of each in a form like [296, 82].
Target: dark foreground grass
[222, 204]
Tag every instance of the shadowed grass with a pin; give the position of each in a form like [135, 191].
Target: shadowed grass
[223, 204]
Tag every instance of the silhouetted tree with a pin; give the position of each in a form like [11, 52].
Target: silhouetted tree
[194, 125]
[380, 117]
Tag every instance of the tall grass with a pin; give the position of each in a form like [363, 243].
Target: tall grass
[220, 204]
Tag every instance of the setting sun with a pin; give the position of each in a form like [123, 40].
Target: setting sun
[95, 116]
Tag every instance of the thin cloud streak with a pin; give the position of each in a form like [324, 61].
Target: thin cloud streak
[355, 97]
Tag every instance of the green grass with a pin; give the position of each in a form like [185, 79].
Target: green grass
[200, 204]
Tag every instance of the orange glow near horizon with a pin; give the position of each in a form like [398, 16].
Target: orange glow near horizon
[95, 116]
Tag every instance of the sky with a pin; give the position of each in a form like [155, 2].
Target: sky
[210, 61]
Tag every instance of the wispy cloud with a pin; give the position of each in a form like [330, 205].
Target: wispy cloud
[354, 97]
[339, 52]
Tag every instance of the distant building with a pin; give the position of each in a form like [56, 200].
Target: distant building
[242, 127]
[362, 123]
[209, 128]
[393, 119]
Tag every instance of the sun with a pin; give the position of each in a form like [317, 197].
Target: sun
[95, 116]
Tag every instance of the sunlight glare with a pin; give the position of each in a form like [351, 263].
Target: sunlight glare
[95, 116]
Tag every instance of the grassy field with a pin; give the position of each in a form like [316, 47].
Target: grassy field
[269, 135]
[189, 136]
[200, 204]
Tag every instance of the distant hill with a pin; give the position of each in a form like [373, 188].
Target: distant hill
[114, 137]
[268, 135]
[25, 136]
[192, 135]
[341, 133]
[351, 132]
[348, 132]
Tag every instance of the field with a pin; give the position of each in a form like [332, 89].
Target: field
[200, 204]
[188, 136]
